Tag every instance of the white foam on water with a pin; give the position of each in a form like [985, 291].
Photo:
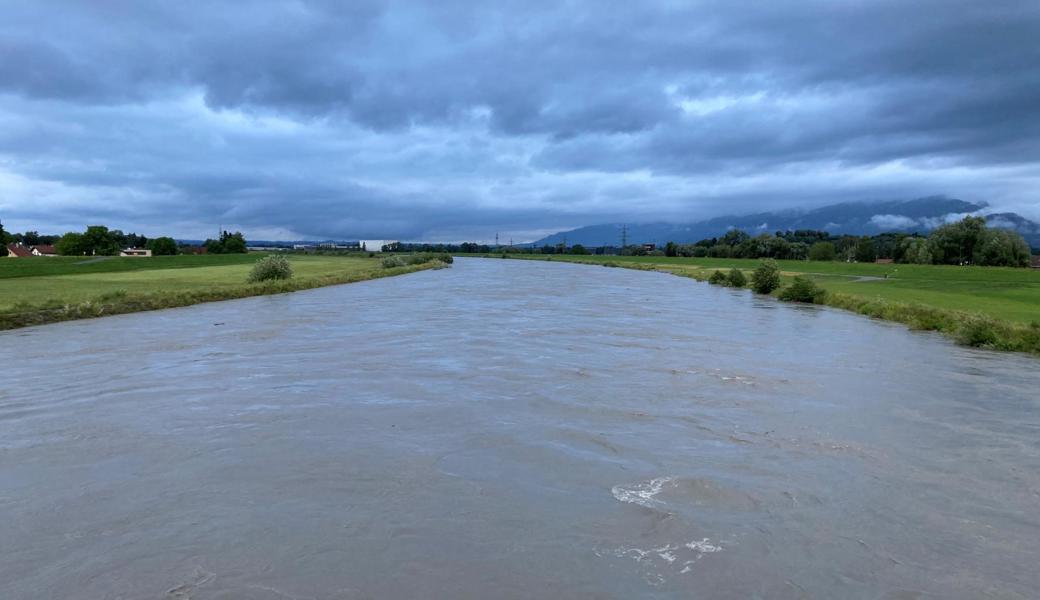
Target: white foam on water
[642, 493]
[704, 546]
[670, 558]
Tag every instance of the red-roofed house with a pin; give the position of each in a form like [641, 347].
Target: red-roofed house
[17, 251]
[44, 250]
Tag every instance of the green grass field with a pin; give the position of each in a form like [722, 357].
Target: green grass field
[46, 289]
[982, 306]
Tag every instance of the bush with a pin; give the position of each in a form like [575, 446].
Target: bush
[766, 277]
[717, 278]
[736, 278]
[803, 289]
[403, 260]
[270, 268]
[979, 332]
[822, 251]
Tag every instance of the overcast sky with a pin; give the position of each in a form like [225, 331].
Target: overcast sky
[453, 120]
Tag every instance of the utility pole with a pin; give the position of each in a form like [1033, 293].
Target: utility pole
[624, 236]
[496, 239]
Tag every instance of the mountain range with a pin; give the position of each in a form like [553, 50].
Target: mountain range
[855, 218]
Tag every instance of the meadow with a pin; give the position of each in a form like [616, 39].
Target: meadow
[980, 306]
[47, 289]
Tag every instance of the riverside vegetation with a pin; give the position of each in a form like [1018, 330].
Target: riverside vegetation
[45, 290]
[990, 307]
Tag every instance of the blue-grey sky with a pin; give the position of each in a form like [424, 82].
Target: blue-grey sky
[452, 120]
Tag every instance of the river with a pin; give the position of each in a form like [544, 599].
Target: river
[513, 429]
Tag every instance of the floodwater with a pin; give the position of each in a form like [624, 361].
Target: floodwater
[512, 429]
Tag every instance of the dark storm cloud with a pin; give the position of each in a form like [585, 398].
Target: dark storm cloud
[403, 119]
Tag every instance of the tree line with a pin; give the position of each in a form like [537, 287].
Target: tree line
[98, 240]
[968, 241]
[965, 242]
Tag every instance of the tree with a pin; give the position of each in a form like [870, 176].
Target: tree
[822, 251]
[98, 241]
[70, 244]
[163, 246]
[766, 277]
[866, 250]
[734, 237]
[671, 249]
[5, 238]
[1001, 248]
[578, 249]
[954, 243]
[916, 250]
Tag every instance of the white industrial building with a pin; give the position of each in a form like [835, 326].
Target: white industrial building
[377, 245]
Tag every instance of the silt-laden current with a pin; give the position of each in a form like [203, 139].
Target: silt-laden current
[512, 429]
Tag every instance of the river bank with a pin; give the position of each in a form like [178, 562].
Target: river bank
[38, 291]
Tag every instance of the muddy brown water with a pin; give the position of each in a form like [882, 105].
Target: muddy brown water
[509, 429]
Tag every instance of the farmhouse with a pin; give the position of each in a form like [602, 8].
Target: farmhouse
[44, 250]
[135, 252]
[1034, 261]
[18, 251]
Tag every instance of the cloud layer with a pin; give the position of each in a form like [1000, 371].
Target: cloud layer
[454, 120]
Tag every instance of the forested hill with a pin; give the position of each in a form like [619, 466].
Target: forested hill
[921, 215]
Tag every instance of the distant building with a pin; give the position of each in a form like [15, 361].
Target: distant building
[884, 261]
[1034, 261]
[142, 252]
[44, 250]
[649, 247]
[378, 245]
[16, 250]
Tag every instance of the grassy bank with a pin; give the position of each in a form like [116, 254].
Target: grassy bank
[35, 291]
[977, 306]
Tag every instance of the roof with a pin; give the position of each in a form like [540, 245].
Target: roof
[1034, 261]
[45, 249]
[18, 250]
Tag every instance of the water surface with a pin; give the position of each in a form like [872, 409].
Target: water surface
[514, 429]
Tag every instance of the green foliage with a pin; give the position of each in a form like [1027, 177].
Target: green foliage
[70, 244]
[163, 246]
[404, 260]
[766, 277]
[270, 268]
[736, 278]
[98, 241]
[229, 243]
[866, 250]
[822, 251]
[717, 278]
[1001, 248]
[5, 238]
[916, 251]
[578, 249]
[803, 289]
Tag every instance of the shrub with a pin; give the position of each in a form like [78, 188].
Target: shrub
[270, 268]
[978, 332]
[736, 278]
[803, 289]
[822, 251]
[766, 277]
[717, 278]
[403, 260]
